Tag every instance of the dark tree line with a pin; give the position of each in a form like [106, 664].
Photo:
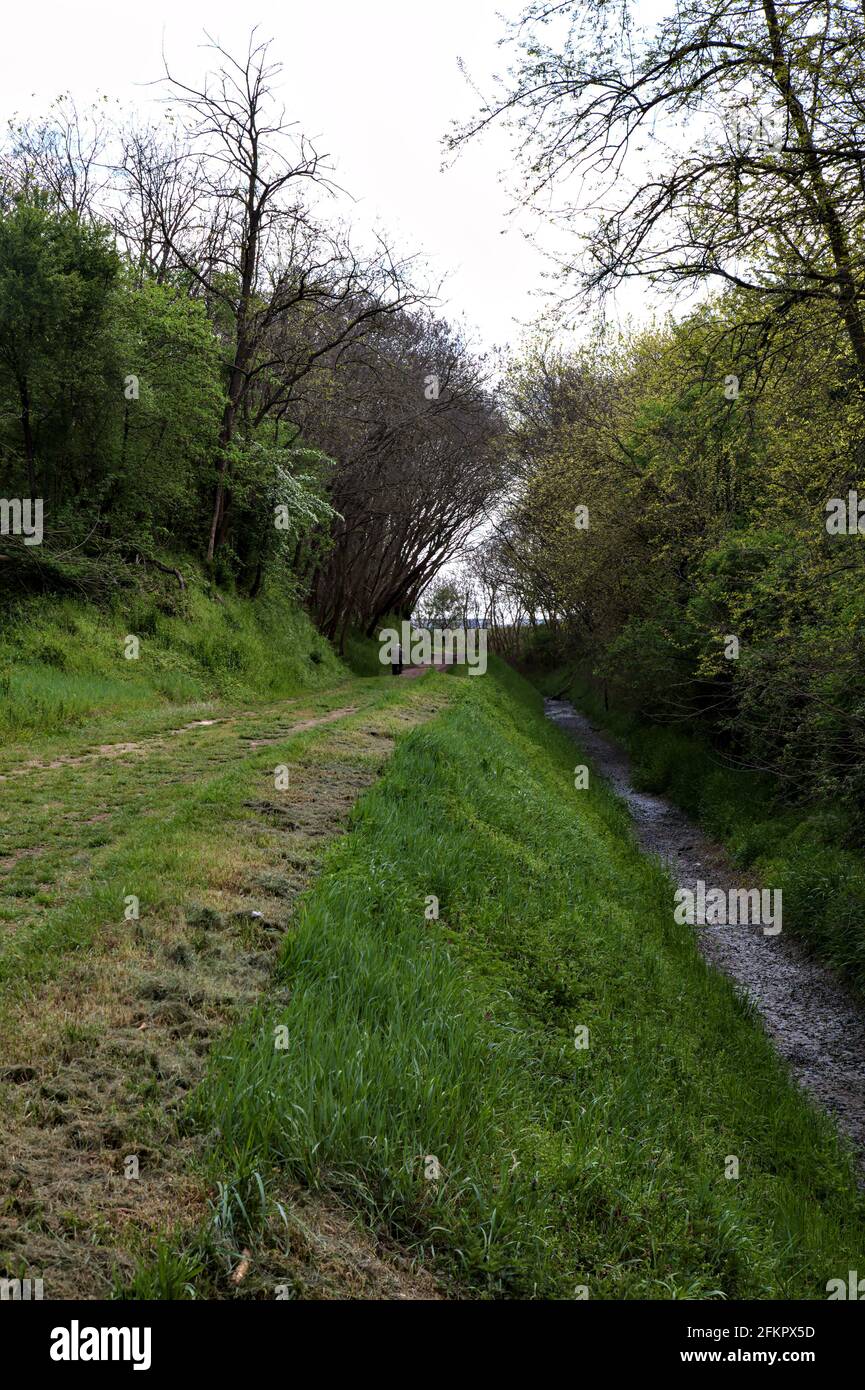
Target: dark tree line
[191, 347]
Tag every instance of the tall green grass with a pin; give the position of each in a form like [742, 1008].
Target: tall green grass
[62, 662]
[803, 850]
[361, 656]
[561, 1168]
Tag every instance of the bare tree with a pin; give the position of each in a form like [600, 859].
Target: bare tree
[258, 253]
[159, 192]
[759, 179]
[61, 155]
[416, 466]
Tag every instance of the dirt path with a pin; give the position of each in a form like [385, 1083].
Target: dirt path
[412, 672]
[148, 745]
[814, 1022]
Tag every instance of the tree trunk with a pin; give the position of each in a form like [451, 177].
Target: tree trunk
[829, 218]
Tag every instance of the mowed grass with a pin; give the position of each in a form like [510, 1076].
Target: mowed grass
[104, 762]
[563, 1171]
[83, 828]
[107, 1016]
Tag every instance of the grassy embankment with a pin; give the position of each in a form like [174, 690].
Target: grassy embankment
[562, 1168]
[62, 662]
[807, 851]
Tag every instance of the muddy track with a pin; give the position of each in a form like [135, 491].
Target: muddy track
[814, 1022]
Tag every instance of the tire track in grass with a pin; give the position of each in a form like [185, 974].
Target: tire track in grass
[108, 1022]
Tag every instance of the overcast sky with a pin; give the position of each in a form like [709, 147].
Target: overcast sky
[375, 81]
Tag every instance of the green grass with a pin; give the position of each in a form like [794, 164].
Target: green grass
[185, 816]
[561, 1168]
[82, 836]
[803, 850]
[62, 663]
[362, 655]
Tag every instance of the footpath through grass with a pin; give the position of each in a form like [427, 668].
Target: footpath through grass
[427, 1071]
[148, 869]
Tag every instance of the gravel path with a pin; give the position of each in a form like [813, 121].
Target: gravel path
[814, 1022]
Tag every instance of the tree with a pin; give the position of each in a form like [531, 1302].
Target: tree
[60, 157]
[757, 182]
[410, 419]
[442, 606]
[56, 277]
[285, 291]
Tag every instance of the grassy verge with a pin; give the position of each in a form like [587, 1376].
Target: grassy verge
[407, 1038]
[63, 662]
[362, 656]
[801, 850]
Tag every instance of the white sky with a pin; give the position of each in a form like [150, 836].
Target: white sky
[376, 81]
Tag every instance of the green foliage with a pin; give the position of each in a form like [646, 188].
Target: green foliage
[361, 654]
[162, 440]
[442, 606]
[62, 662]
[57, 276]
[273, 505]
[706, 452]
[112, 392]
